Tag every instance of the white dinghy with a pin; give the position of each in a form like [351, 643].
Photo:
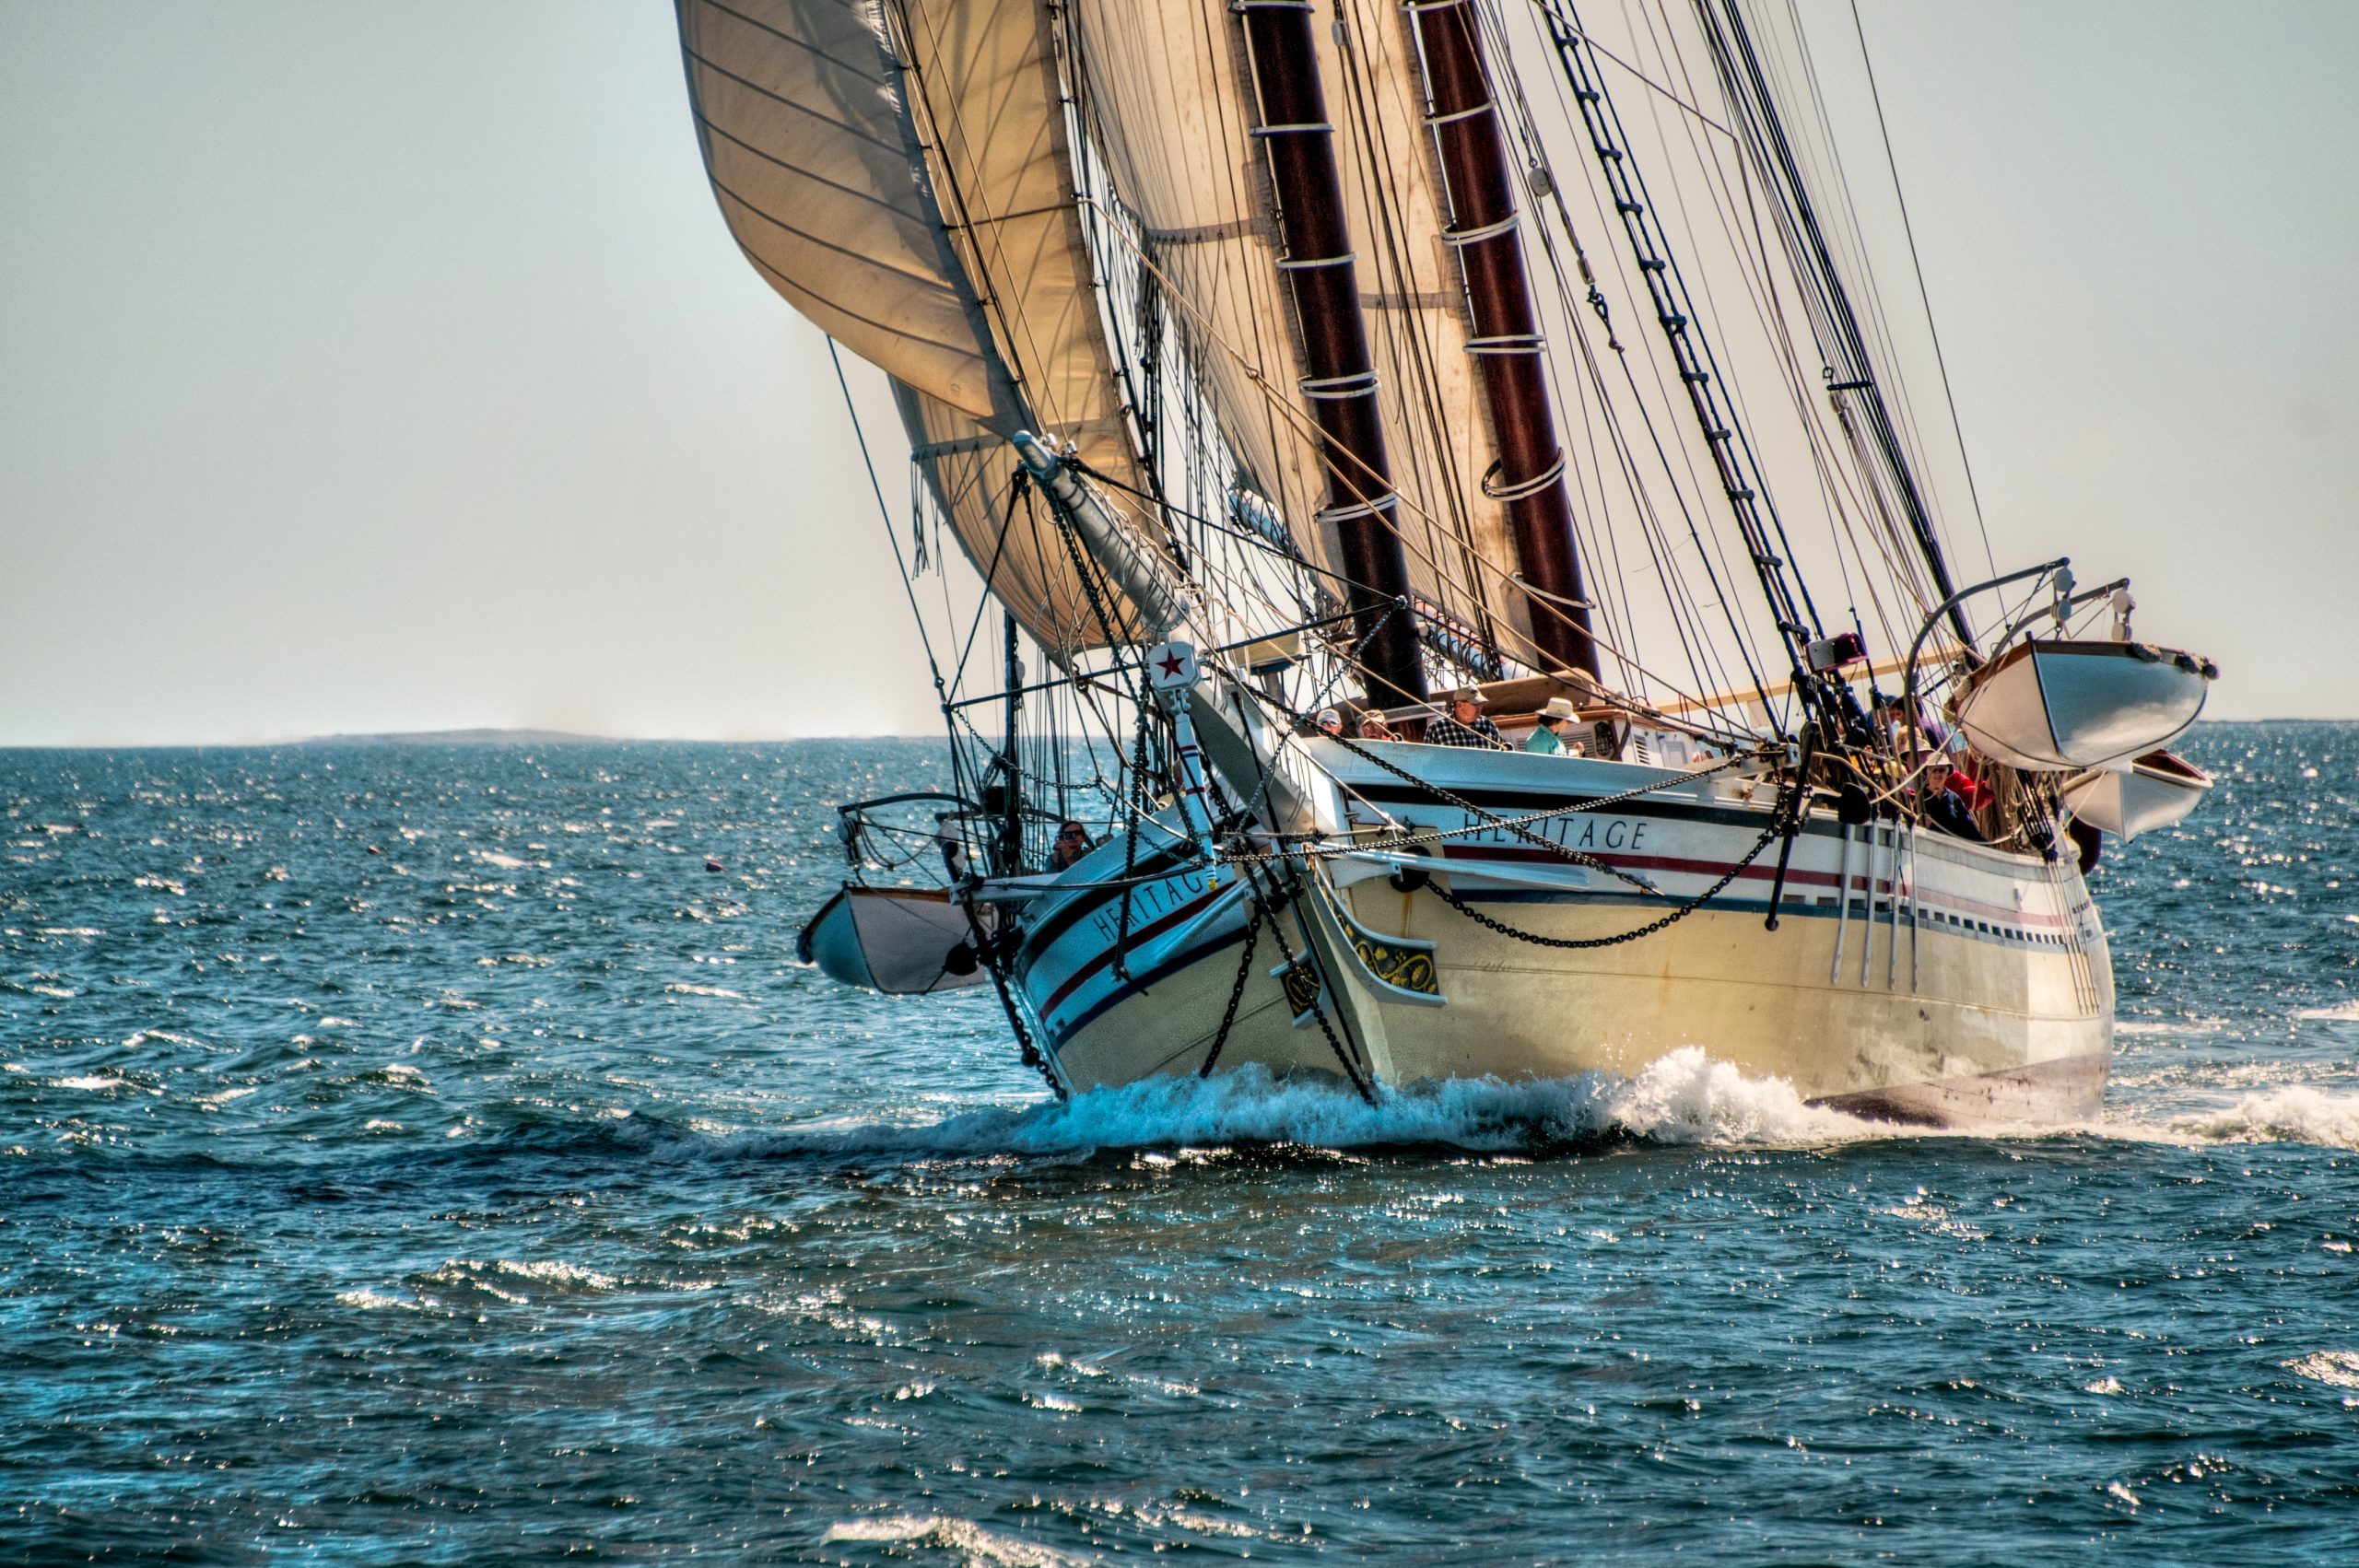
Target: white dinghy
[2059, 706]
[901, 941]
[2156, 791]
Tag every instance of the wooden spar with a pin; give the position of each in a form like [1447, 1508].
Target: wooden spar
[1507, 343]
[1339, 376]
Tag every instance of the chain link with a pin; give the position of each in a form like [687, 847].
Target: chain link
[1777, 824]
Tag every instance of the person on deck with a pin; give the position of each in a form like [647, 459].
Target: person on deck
[1548, 731]
[1465, 726]
[1942, 805]
[1967, 785]
[1330, 721]
[1073, 843]
[1373, 727]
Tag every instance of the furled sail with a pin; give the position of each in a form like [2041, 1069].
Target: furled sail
[1168, 96]
[896, 170]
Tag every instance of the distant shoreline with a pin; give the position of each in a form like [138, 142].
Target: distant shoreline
[479, 737]
[495, 737]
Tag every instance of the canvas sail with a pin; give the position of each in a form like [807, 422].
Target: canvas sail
[1168, 93]
[813, 160]
[896, 170]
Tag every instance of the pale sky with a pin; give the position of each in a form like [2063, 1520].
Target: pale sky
[380, 366]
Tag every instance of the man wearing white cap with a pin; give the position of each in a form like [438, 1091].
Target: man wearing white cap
[1465, 726]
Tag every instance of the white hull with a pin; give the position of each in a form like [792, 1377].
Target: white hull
[1980, 990]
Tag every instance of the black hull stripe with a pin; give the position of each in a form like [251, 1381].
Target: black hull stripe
[1138, 983]
[1089, 898]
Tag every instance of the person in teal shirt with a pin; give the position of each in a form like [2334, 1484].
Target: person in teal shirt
[1548, 735]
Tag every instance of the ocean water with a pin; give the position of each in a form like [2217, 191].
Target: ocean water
[414, 1154]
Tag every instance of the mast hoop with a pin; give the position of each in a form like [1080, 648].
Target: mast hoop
[1525, 488]
[1353, 511]
[1338, 389]
[1457, 237]
[1307, 263]
[1508, 343]
[1296, 128]
[1454, 116]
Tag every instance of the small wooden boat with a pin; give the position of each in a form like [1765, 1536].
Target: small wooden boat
[2156, 790]
[901, 941]
[2059, 706]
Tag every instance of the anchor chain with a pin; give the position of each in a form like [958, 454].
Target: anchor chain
[1236, 991]
[1448, 897]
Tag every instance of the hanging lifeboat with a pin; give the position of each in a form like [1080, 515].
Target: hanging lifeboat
[901, 941]
[2156, 790]
[2052, 706]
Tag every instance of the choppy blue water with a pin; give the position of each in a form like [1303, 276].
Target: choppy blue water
[414, 1154]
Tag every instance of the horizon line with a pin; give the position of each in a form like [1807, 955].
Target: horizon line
[532, 735]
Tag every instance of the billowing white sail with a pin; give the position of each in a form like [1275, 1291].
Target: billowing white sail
[815, 164]
[984, 87]
[898, 171]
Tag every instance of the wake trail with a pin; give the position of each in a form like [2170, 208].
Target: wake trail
[1683, 1099]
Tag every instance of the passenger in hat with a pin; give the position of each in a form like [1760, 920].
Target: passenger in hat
[1373, 726]
[1330, 721]
[1465, 725]
[1941, 804]
[1548, 731]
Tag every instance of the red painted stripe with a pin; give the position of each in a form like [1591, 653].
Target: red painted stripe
[1148, 932]
[1884, 886]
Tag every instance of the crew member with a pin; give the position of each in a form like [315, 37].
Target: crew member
[1941, 804]
[1465, 726]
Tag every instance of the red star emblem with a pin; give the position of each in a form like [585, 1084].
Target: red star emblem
[1170, 664]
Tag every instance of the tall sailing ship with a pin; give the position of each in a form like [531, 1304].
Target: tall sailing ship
[1310, 385]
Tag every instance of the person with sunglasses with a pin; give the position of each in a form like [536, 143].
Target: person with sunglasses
[1072, 844]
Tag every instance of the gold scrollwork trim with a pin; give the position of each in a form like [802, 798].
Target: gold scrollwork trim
[1409, 968]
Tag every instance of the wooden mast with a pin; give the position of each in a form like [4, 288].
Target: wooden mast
[1339, 376]
[1507, 343]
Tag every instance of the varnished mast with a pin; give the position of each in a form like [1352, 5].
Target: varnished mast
[1507, 341]
[1339, 376]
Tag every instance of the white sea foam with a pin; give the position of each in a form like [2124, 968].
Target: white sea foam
[369, 1301]
[1683, 1099]
[2294, 1115]
[2336, 1369]
[2340, 1013]
[681, 987]
[972, 1543]
[550, 1272]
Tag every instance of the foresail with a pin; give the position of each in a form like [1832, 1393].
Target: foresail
[983, 83]
[815, 162]
[898, 171]
[1017, 549]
